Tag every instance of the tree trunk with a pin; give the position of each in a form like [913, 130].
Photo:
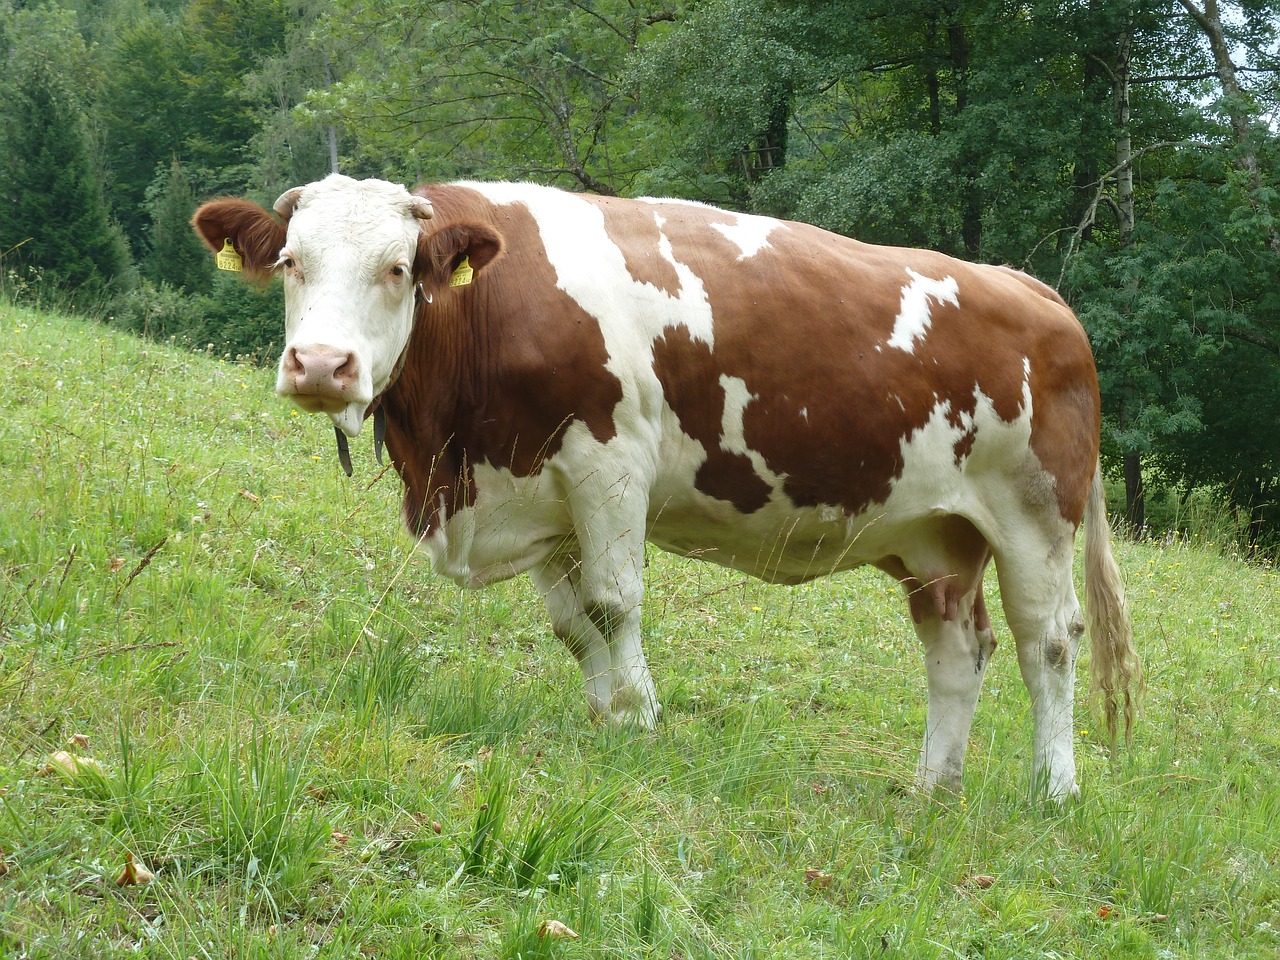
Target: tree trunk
[971, 219]
[333, 131]
[1135, 497]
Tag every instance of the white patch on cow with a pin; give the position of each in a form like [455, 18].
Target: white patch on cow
[749, 233]
[632, 314]
[733, 436]
[914, 312]
[515, 524]
[736, 398]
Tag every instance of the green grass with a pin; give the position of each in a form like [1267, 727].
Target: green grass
[323, 751]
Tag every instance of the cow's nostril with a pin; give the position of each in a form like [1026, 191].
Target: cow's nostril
[348, 371]
[292, 366]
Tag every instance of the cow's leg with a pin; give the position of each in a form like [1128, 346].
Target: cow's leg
[957, 648]
[942, 575]
[558, 583]
[1044, 615]
[609, 520]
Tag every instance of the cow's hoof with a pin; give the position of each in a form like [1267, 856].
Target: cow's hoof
[629, 708]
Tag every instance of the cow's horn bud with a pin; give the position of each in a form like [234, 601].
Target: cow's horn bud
[420, 207]
[287, 201]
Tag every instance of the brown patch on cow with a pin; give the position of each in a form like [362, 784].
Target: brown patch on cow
[1066, 417]
[1057, 654]
[638, 237]
[691, 386]
[964, 446]
[497, 370]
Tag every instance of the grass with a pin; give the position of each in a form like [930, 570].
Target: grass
[320, 750]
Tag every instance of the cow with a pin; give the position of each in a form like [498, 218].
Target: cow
[561, 377]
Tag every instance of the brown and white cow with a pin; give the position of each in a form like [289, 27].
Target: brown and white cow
[563, 377]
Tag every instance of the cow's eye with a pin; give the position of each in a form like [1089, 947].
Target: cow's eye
[399, 271]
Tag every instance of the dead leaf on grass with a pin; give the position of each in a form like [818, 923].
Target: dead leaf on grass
[817, 879]
[983, 881]
[134, 873]
[69, 765]
[556, 930]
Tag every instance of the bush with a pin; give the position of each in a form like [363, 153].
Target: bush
[243, 321]
[158, 311]
[233, 319]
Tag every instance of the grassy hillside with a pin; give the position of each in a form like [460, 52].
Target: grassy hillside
[320, 750]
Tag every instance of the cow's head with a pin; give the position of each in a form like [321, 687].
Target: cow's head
[352, 254]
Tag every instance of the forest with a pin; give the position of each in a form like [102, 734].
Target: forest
[1125, 151]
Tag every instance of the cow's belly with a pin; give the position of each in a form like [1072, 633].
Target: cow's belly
[778, 543]
[517, 523]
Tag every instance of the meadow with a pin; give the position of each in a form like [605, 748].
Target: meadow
[239, 718]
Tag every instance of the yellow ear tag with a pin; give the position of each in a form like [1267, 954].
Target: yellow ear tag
[228, 259]
[463, 275]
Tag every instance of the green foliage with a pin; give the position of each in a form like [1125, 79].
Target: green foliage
[489, 88]
[231, 320]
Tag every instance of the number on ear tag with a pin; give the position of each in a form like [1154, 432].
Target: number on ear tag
[463, 275]
[228, 259]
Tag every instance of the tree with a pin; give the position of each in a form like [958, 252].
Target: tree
[176, 255]
[53, 218]
[145, 115]
[489, 88]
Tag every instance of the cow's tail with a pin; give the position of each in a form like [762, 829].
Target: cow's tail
[1114, 664]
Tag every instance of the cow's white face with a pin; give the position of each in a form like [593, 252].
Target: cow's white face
[348, 269]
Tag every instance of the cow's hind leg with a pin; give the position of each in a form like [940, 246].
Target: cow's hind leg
[1045, 618]
[942, 574]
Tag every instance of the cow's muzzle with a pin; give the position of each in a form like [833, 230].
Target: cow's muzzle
[320, 378]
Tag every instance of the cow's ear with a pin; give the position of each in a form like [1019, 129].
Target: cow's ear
[255, 235]
[440, 252]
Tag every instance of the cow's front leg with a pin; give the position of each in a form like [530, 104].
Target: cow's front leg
[609, 523]
[634, 699]
[558, 584]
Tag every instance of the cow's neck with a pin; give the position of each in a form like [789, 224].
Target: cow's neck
[426, 431]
